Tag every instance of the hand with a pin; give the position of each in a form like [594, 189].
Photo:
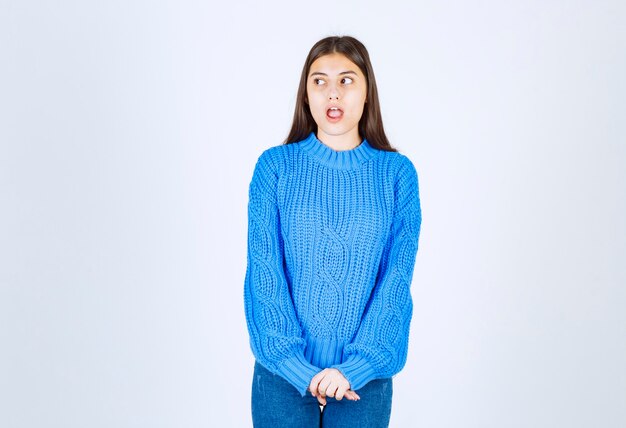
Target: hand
[349, 395]
[331, 382]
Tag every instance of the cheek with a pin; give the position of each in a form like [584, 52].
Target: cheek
[358, 104]
[317, 104]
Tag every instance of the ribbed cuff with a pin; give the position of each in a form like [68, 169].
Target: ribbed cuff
[298, 372]
[357, 370]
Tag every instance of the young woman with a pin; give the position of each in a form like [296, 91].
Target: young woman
[334, 221]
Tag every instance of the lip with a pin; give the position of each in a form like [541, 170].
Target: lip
[333, 119]
[333, 105]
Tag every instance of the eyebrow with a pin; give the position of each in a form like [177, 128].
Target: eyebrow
[324, 74]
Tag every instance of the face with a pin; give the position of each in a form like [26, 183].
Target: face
[335, 81]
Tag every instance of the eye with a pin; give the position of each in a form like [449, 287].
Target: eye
[349, 78]
[315, 81]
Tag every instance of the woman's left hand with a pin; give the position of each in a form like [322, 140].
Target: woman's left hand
[331, 382]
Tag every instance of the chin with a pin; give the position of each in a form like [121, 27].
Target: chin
[340, 129]
[335, 128]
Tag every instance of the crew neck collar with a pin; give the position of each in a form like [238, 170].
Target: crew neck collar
[342, 159]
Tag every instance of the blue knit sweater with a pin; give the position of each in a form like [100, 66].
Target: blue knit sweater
[332, 241]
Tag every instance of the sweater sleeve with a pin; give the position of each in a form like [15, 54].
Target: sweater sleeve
[275, 333]
[379, 348]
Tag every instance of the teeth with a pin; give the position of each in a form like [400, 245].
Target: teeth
[334, 108]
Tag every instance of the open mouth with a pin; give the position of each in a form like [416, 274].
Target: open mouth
[334, 113]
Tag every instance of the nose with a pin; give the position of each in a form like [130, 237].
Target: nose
[333, 92]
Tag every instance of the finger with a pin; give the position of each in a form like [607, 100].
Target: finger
[332, 390]
[340, 393]
[323, 386]
[321, 400]
[351, 395]
[322, 392]
[314, 385]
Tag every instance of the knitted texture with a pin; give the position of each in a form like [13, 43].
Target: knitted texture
[332, 242]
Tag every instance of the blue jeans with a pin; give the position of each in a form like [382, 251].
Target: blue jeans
[276, 403]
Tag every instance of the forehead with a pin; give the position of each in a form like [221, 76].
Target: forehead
[333, 64]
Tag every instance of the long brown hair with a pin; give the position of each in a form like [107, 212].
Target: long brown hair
[371, 122]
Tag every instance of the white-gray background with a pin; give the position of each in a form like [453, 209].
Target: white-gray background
[129, 132]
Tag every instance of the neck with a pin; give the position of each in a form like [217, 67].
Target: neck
[338, 159]
[340, 142]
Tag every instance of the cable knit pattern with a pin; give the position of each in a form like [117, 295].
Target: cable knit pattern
[332, 241]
